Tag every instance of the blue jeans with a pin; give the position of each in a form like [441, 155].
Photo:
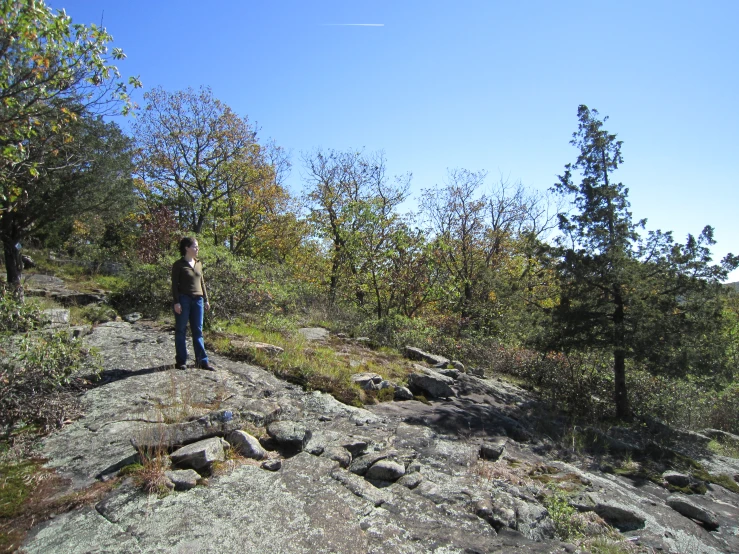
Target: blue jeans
[192, 311]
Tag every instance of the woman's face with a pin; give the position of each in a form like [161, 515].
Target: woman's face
[192, 250]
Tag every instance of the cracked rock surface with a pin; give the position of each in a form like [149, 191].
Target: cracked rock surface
[400, 477]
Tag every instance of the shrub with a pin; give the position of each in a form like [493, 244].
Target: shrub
[16, 316]
[33, 377]
[148, 289]
[724, 413]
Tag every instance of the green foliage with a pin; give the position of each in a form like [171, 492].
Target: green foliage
[36, 369]
[650, 300]
[17, 485]
[54, 76]
[724, 413]
[566, 526]
[148, 290]
[16, 316]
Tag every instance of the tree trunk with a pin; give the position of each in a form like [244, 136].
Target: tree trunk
[619, 356]
[13, 266]
[619, 373]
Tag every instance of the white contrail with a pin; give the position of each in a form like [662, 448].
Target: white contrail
[353, 24]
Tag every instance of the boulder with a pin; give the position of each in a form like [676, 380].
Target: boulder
[493, 450]
[267, 348]
[367, 381]
[246, 445]
[677, 479]
[289, 435]
[430, 383]
[199, 455]
[338, 454]
[56, 316]
[688, 508]
[361, 465]
[385, 470]
[414, 353]
[403, 393]
[314, 333]
[272, 465]
[183, 479]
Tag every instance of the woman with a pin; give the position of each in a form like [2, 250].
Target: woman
[190, 298]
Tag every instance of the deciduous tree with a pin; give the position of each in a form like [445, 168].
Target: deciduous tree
[52, 73]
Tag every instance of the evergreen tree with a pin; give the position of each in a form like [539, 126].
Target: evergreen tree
[651, 300]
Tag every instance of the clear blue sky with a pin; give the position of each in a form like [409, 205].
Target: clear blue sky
[473, 84]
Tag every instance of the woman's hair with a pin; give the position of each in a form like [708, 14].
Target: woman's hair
[185, 242]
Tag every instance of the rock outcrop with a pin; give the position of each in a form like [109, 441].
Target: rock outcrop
[464, 471]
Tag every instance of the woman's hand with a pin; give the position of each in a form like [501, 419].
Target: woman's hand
[207, 306]
[177, 308]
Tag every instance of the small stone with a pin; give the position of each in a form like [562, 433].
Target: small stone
[492, 450]
[199, 455]
[677, 479]
[183, 479]
[363, 463]
[338, 454]
[367, 381]
[132, 317]
[247, 445]
[289, 435]
[403, 393]
[385, 470]
[272, 465]
[411, 480]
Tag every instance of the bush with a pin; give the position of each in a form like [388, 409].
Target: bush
[16, 316]
[724, 413]
[148, 289]
[34, 375]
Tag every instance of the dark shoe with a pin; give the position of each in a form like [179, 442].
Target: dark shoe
[180, 366]
[206, 365]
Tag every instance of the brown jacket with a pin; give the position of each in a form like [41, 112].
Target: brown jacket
[188, 280]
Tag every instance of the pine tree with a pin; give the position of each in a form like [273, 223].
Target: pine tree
[651, 300]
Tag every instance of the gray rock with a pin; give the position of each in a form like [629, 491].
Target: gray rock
[385, 470]
[56, 316]
[677, 479]
[493, 450]
[183, 479]
[622, 517]
[267, 348]
[314, 333]
[453, 372]
[367, 381]
[361, 465]
[338, 454]
[403, 393]
[199, 455]
[688, 508]
[458, 365]
[132, 317]
[27, 261]
[356, 446]
[289, 434]
[411, 480]
[430, 383]
[272, 465]
[246, 445]
[414, 353]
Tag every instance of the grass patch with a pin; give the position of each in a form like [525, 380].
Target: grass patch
[314, 366]
[724, 449]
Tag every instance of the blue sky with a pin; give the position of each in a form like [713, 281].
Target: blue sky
[471, 84]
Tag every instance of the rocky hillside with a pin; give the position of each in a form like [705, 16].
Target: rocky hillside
[240, 461]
